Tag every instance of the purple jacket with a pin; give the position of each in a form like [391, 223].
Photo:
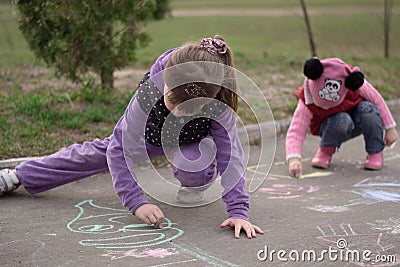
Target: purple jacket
[229, 155]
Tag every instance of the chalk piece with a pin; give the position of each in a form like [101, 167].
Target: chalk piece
[315, 175]
[393, 145]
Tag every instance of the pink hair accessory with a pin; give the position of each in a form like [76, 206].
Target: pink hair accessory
[214, 46]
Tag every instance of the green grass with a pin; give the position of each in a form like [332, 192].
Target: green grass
[255, 38]
[271, 45]
[258, 4]
[34, 123]
[42, 119]
[13, 47]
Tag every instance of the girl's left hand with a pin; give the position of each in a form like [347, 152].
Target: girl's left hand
[239, 224]
[391, 136]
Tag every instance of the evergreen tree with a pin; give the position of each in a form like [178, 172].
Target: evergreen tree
[77, 36]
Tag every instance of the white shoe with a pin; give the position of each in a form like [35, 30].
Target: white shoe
[8, 180]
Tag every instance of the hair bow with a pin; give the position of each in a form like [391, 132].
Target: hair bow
[214, 46]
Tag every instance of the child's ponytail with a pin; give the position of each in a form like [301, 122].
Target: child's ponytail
[229, 86]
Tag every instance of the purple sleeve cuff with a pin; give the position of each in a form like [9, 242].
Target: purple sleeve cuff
[239, 214]
[237, 201]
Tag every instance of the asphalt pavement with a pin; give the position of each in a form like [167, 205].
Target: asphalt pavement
[342, 216]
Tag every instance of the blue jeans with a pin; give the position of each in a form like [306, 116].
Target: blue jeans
[364, 119]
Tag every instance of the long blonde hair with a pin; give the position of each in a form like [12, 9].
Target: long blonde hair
[195, 52]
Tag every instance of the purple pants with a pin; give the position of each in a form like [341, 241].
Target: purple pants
[83, 160]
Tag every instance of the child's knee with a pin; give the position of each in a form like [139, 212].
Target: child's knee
[195, 178]
[367, 113]
[366, 107]
[344, 124]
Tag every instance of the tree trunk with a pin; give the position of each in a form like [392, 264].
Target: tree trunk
[107, 77]
[309, 32]
[386, 25]
[107, 70]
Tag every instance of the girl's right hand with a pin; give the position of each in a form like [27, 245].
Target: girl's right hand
[150, 214]
[295, 167]
[391, 136]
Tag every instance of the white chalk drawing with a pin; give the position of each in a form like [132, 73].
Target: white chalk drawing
[390, 226]
[371, 190]
[136, 253]
[377, 242]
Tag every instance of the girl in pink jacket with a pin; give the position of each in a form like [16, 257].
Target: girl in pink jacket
[338, 104]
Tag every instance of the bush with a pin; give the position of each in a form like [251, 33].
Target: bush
[78, 36]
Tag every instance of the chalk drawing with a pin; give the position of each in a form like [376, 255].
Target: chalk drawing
[371, 190]
[330, 208]
[376, 242]
[121, 239]
[111, 224]
[378, 195]
[393, 157]
[135, 253]
[378, 181]
[286, 191]
[316, 174]
[201, 255]
[327, 231]
[391, 226]
[173, 263]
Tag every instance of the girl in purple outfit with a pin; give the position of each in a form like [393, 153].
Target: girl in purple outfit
[155, 120]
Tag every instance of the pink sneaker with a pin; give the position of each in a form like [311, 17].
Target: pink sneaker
[323, 157]
[374, 161]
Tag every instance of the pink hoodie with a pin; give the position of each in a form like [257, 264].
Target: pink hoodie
[313, 94]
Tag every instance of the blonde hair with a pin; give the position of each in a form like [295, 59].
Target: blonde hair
[195, 52]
